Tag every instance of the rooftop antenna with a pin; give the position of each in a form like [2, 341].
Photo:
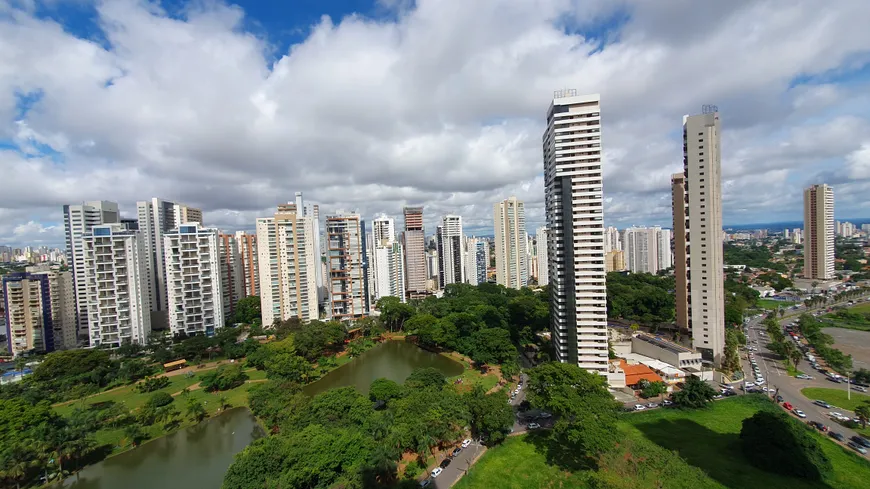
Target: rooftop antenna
[709, 109]
[565, 92]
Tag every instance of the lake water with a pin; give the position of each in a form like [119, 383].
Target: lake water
[394, 360]
[198, 457]
[191, 458]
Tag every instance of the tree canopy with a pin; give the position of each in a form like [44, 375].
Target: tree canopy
[773, 441]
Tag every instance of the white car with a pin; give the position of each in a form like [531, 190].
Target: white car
[466, 442]
[436, 472]
[639, 407]
[799, 413]
[750, 384]
[534, 426]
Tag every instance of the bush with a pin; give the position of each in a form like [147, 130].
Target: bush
[773, 441]
[224, 378]
[159, 399]
[152, 384]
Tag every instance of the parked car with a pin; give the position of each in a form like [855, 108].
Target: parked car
[779, 398]
[466, 442]
[819, 426]
[858, 448]
[836, 436]
[546, 415]
[455, 451]
[799, 413]
[639, 407]
[425, 482]
[819, 402]
[787, 405]
[861, 441]
[652, 405]
[436, 472]
[534, 426]
[444, 463]
[667, 402]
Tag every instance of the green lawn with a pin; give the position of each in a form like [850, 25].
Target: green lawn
[836, 397]
[707, 440]
[861, 308]
[773, 305]
[127, 396]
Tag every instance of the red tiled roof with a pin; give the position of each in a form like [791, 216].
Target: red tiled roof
[635, 373]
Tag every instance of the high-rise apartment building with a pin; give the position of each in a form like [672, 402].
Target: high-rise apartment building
[612, 239]
[573, 191]
[819, 232]
[543, 265]
[195, 284]
[29, 322]
[247, 244]
[231, 272]
[78, 220]
[287, 261]
[681, 289]
[449, 241]
[700, 248]
[414, 241]
[665, 249]
[156, 217]
[387, 270]
[62, 304]
[116, 281]
[614, 261]
[475, 261]
[347, 265]
[511, 243]
[647, 249]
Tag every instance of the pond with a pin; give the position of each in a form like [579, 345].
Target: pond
[394, 360]
[198, 457]
[195, 457]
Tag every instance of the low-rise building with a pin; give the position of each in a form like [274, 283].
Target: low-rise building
[666, 351]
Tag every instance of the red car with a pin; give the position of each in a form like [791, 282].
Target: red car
[787, 405]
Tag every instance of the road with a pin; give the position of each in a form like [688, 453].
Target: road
[789, 387]
[458, 466]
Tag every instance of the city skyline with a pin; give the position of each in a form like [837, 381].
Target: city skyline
[419, 136]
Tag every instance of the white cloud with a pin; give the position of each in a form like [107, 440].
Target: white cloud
[437, 107]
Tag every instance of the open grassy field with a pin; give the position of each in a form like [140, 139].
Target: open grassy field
[773, 305]
[861, 308]
[836, 397]
[127, 396]
[706, 440]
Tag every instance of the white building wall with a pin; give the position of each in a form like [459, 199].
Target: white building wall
[543, 265]
[193, 276]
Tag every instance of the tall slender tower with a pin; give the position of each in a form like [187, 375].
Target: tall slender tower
[511, 258]
[819, 232]
[703, 253]
[681, 292]
[575, 220]
[79, 220]
[197, 277]
[415, 252]
[543, 267]
[451, 264]
[348, 289]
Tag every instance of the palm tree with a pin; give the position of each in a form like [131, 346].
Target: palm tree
[195, 410]
[223, 403]
[795, 356]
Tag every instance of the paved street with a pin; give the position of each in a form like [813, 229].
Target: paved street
[458, 466]
[789, 387]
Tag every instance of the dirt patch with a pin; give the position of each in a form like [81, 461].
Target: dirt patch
[852, 342]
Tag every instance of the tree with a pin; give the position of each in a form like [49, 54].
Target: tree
[789, 448]
[394, 312]
[653, 389]
[862, 412]
[384, 390]
[224, 378]
[247, 311]
[695, 394]
[425, 378]
[195, 409]
[587, 413]
[492, 345]
[491, 414]
[159, 399]
[795, 356]
[288, 367]
[224, 403]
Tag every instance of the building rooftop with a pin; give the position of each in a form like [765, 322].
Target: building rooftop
[636, 373]
[663, 343]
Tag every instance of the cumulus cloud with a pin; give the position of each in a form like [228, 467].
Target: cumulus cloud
[442, 104]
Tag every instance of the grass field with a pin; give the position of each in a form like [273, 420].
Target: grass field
[836, 397]
[705, 439]
[772, 304]
[861, 308]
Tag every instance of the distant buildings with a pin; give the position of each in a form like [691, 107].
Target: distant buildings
[511, 257]
[475, 261]
[819, 232]
[543, 276]
[614, 261]
[612, 239]
[574, 210]
[647, 250]
[247, 245]
[697, 197]
[414, 241]
[387, 261]
[116, 284]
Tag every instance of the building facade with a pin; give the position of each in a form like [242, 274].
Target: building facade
[62, 304]
[614, 261]
[387, 261]
[231, 272]
[29, 326]
[449, 241]
[247, 244]
[286, 255]
[511, 243]
[819, 232]
[414, 242]
[702, 207]
[195, 284]
[647, 249]
[116, 281]
[79, 220]
[573, 186]
[541, 249]
[347, 265]
[681, 288]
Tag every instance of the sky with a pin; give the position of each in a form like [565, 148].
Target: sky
[367, 106]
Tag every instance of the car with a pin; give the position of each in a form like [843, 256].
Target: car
[425, 482]
[466, 443]
[861, 441]
[455, 451]
[819, 426]
[779, 398]
[799, 413]
[639, 407]
[436, 472]
[819, 402]
[836, 436]
[546, 415]
[858, 388]
[749, 384]
[534, 426]
[652, 405]
[444, 463]
[858, 448]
